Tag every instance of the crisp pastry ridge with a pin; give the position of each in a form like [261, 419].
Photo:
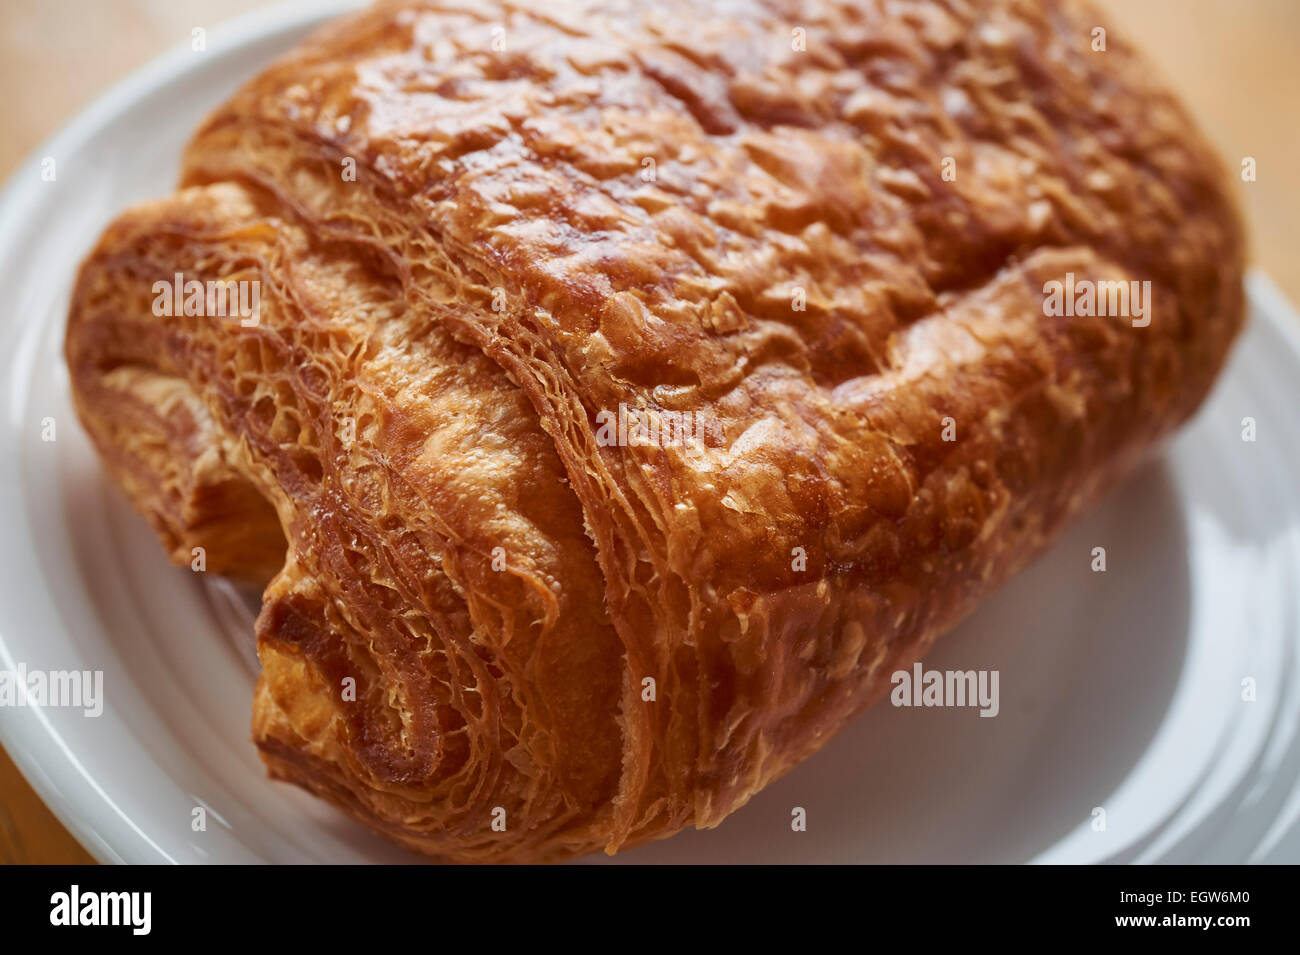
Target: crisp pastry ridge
[464, 258]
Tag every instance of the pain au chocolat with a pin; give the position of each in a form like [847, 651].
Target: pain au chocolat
[626, 390]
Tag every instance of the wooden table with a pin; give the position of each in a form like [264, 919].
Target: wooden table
[1233, 60]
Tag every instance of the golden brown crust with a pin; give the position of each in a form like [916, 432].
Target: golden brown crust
[799, 274]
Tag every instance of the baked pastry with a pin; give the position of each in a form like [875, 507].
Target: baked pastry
[627, 390]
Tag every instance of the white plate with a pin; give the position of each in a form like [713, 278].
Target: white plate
[1120, 691]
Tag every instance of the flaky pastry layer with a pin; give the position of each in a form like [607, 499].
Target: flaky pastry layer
[820, 232]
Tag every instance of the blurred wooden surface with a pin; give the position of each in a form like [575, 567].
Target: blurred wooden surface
[28, 831]
[1233, 61]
